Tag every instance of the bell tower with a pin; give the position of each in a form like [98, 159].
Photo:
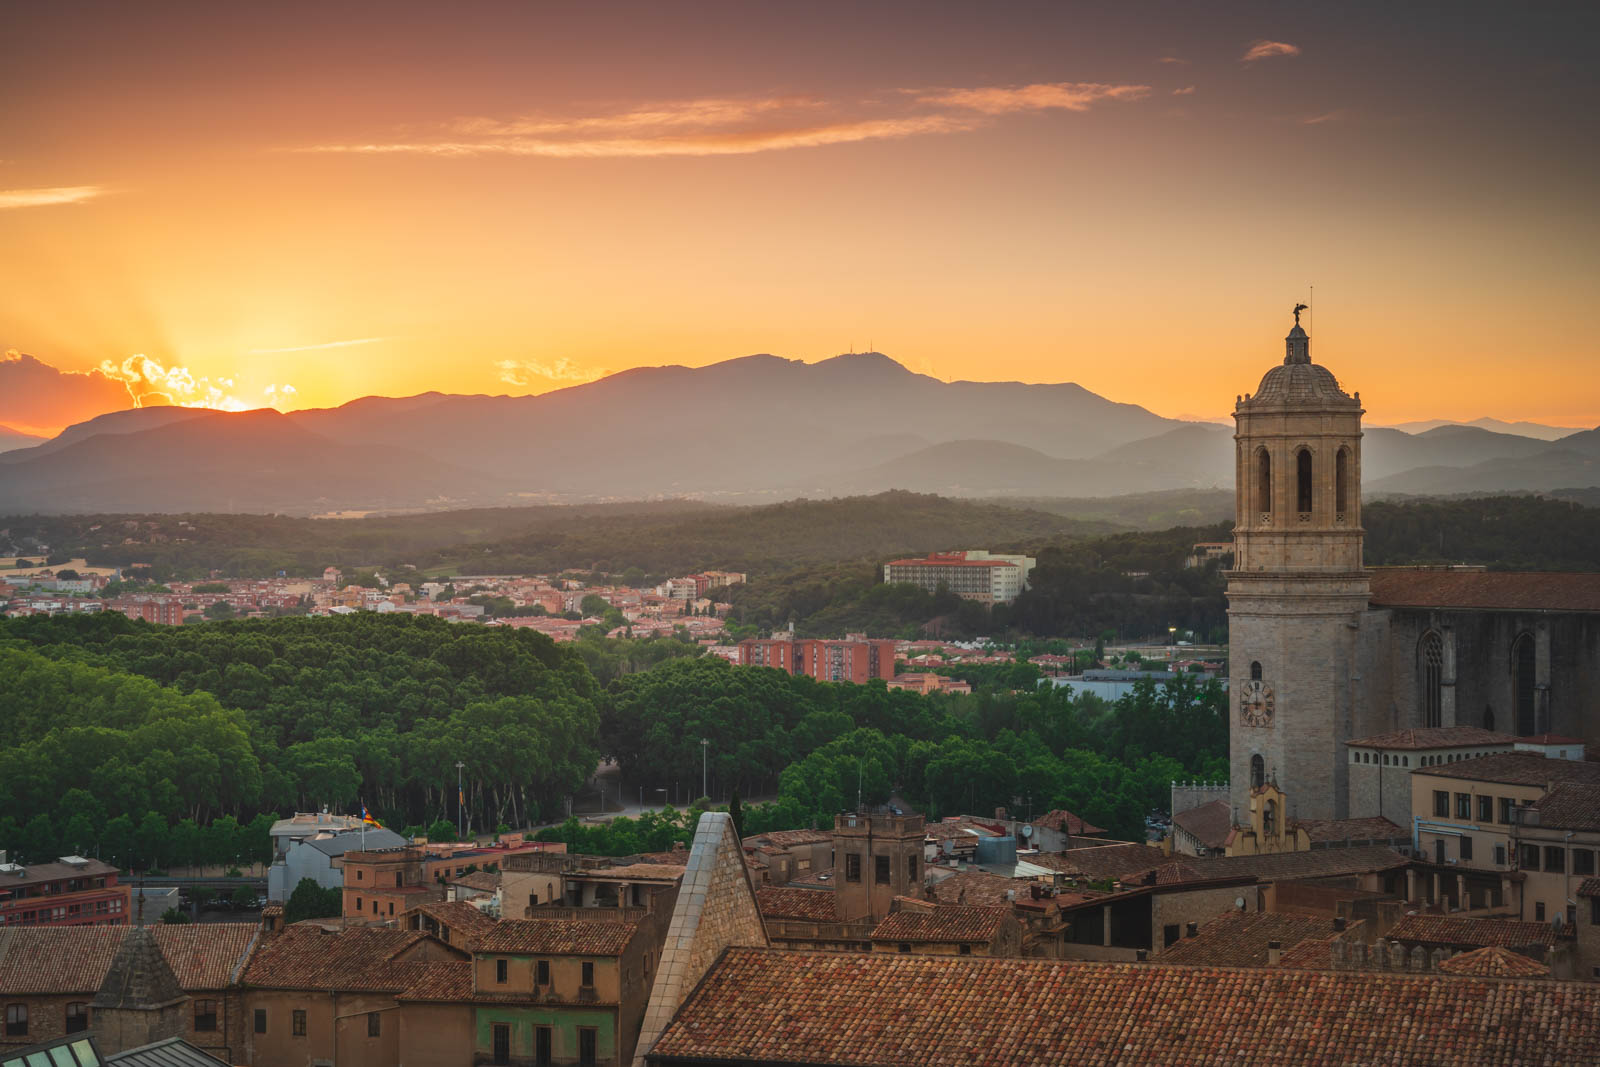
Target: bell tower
[1297, 587]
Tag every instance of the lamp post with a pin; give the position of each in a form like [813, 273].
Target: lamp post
[705, 789]
[461, 802]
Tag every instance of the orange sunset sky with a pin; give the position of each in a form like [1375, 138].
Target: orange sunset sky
[350, 199]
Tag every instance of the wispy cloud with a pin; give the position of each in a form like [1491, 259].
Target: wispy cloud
[1171, 59]
[1187, 90]
[312, 348]
[729, 127]
[525, 372]
[63, 194]
[1327, 116]
[1268, 49]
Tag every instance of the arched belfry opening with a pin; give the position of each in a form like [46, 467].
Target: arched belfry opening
[1341, 484]
[1258, 772]
[1302, 481]
[1255, 670]
[1264, 482]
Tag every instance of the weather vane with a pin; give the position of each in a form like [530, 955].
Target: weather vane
[1297, 309]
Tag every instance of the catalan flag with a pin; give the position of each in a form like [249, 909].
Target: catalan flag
[367, 819]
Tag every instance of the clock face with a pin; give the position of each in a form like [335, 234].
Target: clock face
[1255, 703]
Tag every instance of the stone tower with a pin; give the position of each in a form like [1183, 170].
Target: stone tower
[1297, 588]
[876, 858]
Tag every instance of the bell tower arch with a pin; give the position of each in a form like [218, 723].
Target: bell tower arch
[1298, 585]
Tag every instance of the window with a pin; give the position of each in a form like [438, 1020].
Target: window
[358, 903]
[1170, 935]
[1528, 857]
[500, 971]
[16, 1020]
[1263, 482]
[1430, 678]
[299, 1019]
[1522, 682]
[541, 1046]
[1555, 858]
[261, 1020]
[1463, 805]
[1538, 912]
[1486, 809]
[1594, 917]
[588, 1042]
[1582, 861]
[374, 1024]
[966, 950]
[881, 870]
[1466, 847]
[1302, 464]
[911, 869]
[1341, 482]
[542, 973]
[1258, 772]
[205, 1016]
[1499, 855]
[361, 875]
[904, 946]
[852, 866]
[1441, 804]
[77, 1017]
[502, 1043]
[588, 974]
[1507, 805]
[1255, 670]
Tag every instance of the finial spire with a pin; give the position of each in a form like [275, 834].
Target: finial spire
[1297, 309]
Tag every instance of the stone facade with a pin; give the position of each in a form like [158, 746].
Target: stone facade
[1297, 589]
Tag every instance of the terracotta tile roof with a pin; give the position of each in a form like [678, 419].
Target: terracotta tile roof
[962, 826]
[768, 1006]
[1312, 954]
[57, 959]
[1516, 768]
[1061, 819]
[468, 923]
[809, 905]
[678, 857]
[35, 873]
[943, 923]
[449, 980]
[1494, 962]
[308, 957]
[1288, 866]
[1486, 590]
[558, 937]
[1376, 828]
[1589, 887]
[978, 888]
[1099, 862]
[822, 878]
[1239, 939]
[668, 872]
[791, 838]
[205, 955]
[1210, 824]
[1570, 806]
[1476, 933]
[1435, 737]
[485, 881]
[1550, 739]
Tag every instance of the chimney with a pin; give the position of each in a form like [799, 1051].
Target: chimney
[1142, 955]
[1274, 953]
[1338, 923]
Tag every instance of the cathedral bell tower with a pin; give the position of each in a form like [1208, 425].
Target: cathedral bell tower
[1297, 586]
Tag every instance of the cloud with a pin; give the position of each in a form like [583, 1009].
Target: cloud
[1171, 59]
[38, 398]
[311, 348]
[728, 127]
[525, 372]
[1328, 116]
[63, 194]
[1043, 96]
[1187, 90]
[1268, 49]
[150, 383]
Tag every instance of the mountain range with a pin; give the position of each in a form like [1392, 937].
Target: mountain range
[745, 430]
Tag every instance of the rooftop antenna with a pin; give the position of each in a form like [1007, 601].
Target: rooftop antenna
[1311, 310]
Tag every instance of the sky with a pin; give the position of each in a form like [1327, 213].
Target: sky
[300, 204]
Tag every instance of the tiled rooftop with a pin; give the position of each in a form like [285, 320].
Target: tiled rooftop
[1474, 933]
[446, 980]
[1375, 828]
[1099, 862]
[1435, 737]
[468, 923]
[641, 872]
[205, 955]
[765, 1006]
[1211, 824]
[807, 905]
[1571, 806]
[559, 937]
[1486, 590]
[791, 838]
[57, 959]
[1494, 962]
[1516, 768]
[1240, 939]
[484, 881]
[978, 888]
[942, 923]
[1589, 887]
[1060, 819]
[308, 957]
[1287, 866]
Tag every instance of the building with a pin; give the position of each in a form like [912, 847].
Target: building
[929, 682]
[1556, 841]
[1381, 766]
[163, 611]
[318, 855]
[972, 575]
[855, 659]
[72, 891]
[928, 928]
[877, 858]
[1324, 650]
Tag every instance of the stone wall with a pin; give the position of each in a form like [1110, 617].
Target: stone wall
[1186, 796]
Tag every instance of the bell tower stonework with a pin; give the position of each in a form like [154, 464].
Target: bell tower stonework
[1297, 587]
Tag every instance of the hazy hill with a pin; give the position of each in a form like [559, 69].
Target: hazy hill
[13, 439]
[1537, 430]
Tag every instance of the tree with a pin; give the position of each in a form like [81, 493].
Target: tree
[219, 610]
[151, 841]
[244, 898]
[441, 830]
[736, 813]
[175, 917]
[310, 901]
[593, 605]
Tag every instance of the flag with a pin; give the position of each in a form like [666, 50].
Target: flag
[367, 819]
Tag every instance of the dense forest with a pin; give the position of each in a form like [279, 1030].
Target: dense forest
[150, 745]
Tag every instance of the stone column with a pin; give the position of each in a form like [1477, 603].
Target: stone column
[1435, 899]
[1411, 885]
[1462, 903]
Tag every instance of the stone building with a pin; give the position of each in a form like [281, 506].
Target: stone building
[1323, 650]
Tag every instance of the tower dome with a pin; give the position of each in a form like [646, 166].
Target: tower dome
[1298, 382]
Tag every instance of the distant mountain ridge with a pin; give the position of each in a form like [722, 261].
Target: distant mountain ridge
[748, 430]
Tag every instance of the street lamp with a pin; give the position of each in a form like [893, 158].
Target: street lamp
[705, 789]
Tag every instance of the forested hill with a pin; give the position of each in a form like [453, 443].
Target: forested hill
[663, 538]
[1514, 533]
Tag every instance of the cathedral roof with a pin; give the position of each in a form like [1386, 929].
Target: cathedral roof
[1485, 590]
[1299, 385]
[1435, 737]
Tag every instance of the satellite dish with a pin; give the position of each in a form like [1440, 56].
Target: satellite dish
[1027, 831]
[1238, 902]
